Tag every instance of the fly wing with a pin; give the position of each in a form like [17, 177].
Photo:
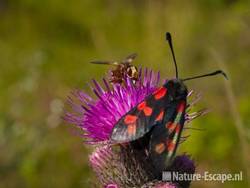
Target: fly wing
[165, 136]
[130, 58]
[140, 119]
[105, 62]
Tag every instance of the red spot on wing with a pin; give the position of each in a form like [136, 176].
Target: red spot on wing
[181, 106]
[170, 126]
[130, 119]
[131, 129]
[177, 129]
[160, 93]
[147, 111]
[159, 148]
[170, 145]
[160, 116]
[142, 105]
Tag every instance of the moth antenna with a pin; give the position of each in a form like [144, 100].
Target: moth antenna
[209, 74]
[169, 39]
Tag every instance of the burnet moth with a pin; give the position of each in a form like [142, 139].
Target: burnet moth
[162, 114]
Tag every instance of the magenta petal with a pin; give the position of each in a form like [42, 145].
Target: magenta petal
[111, 186]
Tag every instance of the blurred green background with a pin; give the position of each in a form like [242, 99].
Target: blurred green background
[45, 49]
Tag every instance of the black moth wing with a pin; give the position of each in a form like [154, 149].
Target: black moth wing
[140, 119]
[166, 135]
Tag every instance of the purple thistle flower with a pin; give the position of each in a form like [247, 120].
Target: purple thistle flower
[97, 117]
[118, 166]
